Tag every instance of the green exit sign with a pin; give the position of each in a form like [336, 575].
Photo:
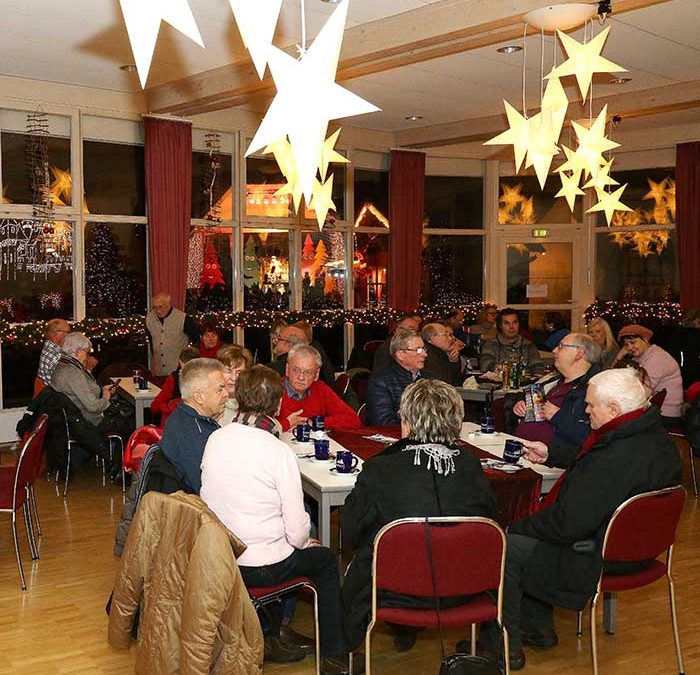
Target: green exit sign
[540, 233]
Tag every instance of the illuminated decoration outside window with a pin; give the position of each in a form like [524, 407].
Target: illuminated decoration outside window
[452, 269]
[323, 270]
[209, 270]
[521, 202]
[263, 180]
[371, 216]
[212, 196]
[369, 268]
[371, 189]
[266, 270]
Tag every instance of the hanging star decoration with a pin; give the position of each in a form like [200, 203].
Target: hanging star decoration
[328, 154]
[5, 199]
[517, 135]
[657, 191]
[570, 188]
[592, 143]
[584, 60]
[603, 178]
[61, 186]
[143, 19]
[542, 148]
[511, 195]
[256, 23]
[555, 100]
[609, 202]
[322, 201]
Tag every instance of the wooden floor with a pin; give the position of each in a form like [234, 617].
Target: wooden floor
[59, 626]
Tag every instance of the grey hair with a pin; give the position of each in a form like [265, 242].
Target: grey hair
[589, 346]
[302, 349]
[623, 386]
[433, 410]
[400, 339]
[75, 341]
[431, 329]
[194, 375]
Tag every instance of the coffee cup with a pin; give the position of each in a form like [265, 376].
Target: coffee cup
[345, 461]
[512, 451]
[318, 423]
[488, 425]
[322, 448]
[143, 384]
[302, 433]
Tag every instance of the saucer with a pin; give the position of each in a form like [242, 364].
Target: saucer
[335, 471]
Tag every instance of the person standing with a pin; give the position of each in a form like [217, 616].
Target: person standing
[56, 331]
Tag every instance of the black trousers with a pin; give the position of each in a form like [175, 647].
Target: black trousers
[321, 566]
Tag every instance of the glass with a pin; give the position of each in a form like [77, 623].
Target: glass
[637, 266]
[539, 273]
[454, 202]
[263, 179]
[323, 270]
[16, 169]
[370, 262]
[36, 270]
[212, 194]
[452, 271]
[371, 198]
[209, 285]
[115, 269]
[266, 270]
[113, 174]
[523, 202]
[533, 322]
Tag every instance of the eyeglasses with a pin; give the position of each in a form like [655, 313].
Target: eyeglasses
[304, 373]
[417, 350]
[445, 334]
[277, 338]
[564, 344]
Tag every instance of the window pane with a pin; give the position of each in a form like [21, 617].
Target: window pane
[114, 179]
[371, 259]
[323, 270]
[263, 179]
[36, 270]
[539, 273]
[452, 269]
[371, 198]
[115, 269]
[212, 195]
[19, 367]
[454, 202]
[17, 168]
[637, 266]
[209, 270]
[522, 202]
[651, 193]
[266, 270]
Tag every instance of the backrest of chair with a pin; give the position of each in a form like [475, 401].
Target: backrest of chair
[359, 382]
[35, 447]
[341, 384]
[658, 398]
[24, 469]
[143, 436]
[372, 345]
[362, 413]
[39, 386]
[644, 526]
[468, 556]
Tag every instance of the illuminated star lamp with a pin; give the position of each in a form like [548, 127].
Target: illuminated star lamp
[328, 154]
[256, 23]
[143, 19]
[517, 135]
[322, 201]
[570, 188]
[542, 146]
[592, 143]
[609, 202]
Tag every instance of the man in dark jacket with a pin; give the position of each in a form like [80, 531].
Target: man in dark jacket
[554, 556]
[386, 385]
[443, 353]
[382, 357]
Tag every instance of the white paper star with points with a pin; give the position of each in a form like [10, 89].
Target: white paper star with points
[328, 154]
[256, 23]
[143, 18]
[570, 188]
[602, 178]
[609, 202]
[322, 200]
[542, 148]
[517, 135]
[592, 143]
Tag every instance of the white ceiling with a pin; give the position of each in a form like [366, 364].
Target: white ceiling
[84, 42]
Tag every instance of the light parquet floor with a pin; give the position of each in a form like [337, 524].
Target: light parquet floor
[59, 624]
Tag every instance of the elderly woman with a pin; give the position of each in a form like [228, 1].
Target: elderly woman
[485, 326]
[235, 360]
[210, 341]
[599, 329]
[424, 474]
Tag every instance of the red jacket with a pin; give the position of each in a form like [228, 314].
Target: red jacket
[166, 401]
[321, 400]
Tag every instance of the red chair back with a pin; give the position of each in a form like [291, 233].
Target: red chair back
[644, 526]
[138, 444]
[372, 345]
[35, 447]
[468, 556]
[25, 467]
[341, 384]
[658, 398]
[39, 386]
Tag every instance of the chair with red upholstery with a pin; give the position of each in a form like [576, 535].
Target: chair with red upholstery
[266, 595]
[36, 458]
[134, 452]
[641, 529]
[468, 560]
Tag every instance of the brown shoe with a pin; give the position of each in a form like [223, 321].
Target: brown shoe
[291, 637]
[277, 651]
[333, 665]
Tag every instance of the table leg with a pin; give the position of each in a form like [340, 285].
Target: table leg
[324, 520]
[139, 414]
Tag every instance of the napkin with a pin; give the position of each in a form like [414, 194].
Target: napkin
[470, 383]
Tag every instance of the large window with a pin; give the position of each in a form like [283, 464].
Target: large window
[371, 198]
[452, 269]
[266, 270]
[212, 193]
[523, 202]
[263, 181]
[209, 269]
[323, 269]
[454, 202]
[371, 259]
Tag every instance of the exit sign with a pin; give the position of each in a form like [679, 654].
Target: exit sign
[540, 233]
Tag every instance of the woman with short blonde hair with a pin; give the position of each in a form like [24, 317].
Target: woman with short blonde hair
[599, 329]
[235, 360]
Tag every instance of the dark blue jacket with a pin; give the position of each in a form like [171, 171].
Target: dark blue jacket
[384, 394]
[185, 434]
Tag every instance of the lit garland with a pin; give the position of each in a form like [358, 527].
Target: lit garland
[645, 313]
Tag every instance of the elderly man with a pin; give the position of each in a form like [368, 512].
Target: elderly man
[509, 346]
[454, 319]
[56, 331]
[170, 330]
[298, 334]
[305, 397]
[576, 358]
[188, 427]
[554, 556]
[387, 384]
[443, 353]
[382, 357]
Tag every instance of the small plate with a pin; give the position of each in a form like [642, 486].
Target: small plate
[340, 473]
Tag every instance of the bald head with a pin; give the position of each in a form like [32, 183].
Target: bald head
[161, 304]
[56, 330]
[290, 336]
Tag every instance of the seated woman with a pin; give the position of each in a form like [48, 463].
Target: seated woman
[556, 330]
[599, 329]
[423, 474]
[235, 359]
[170, 395]
[209, 342]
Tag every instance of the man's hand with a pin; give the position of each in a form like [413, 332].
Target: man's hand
[453, 352]
[623, 353]
[549, 410]
[313, 543]
[107, 391]
[520, 409]
[297, 418]
[91, 362]
[535, 452]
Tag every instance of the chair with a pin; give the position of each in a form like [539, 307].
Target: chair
[147, 435]
[658, 398]
[36, 452]
[372, 346]
[263, 596]
[641, 528]
[39, 386]
[362, 414]
[341, 384]
[680, 438]
[469, 556]
[359, 381]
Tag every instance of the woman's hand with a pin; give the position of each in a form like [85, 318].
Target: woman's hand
[549, 410]
[520, 409]
[535, 452]
[107, 391]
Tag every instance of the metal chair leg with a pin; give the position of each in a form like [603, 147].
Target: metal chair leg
[691, 462]
[65, 485]
[368, 647]
[473, 640]
[33, 550]
[579, 624]
[35, 511]
[594, 641]
[317, 634]
[674, 621]
[17, 553]
[506, 649]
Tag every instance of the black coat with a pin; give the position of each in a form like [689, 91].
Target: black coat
[635, 457]
[439, 364]
[384, 391]
[390, 486]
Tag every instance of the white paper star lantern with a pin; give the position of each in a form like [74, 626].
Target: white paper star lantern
[328, 155]
[256, 23]
[592, 143]
[609, 203]
[517, 134]
[322, 200]
[603, 178]
[143, 18]
[570, 188]
[555, 99]
[542, 147]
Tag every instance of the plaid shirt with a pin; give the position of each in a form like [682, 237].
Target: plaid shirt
[50, 356]
[264, 422]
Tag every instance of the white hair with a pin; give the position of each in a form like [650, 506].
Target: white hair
[73, 342]
[623, 386]
[194, 376]
[304, 350]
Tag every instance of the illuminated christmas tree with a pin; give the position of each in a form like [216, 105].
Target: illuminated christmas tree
[211, 273]
[320, 258]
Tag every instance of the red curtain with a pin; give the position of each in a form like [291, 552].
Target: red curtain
[406, 192]
[168, 157]
[688, 221]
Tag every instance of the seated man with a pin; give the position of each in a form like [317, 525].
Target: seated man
[443, 353]
[386, 385]
[56, 331]
[576, 358]
[188, 427]
[410, 478]
[251, 481]
[509, 346]
[305, 397]
[297, 334]
[382, 357]
[626, 453]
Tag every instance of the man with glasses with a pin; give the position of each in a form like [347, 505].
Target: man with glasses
[56, 331]
[386, 385]
[305, 397]
[299, 334]
[443, 353]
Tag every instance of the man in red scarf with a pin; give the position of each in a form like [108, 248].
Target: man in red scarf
[554, 556]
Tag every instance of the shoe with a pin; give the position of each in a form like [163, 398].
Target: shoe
[277, 651]
[291, 637]
[516, 657]
[335, 665]
[405, 640]
[545, 640]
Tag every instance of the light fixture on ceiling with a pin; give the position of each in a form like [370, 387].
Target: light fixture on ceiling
[414, 118]
[128, 68]
[620, 80]
[510, 49]
[560, 17]
[604, 10]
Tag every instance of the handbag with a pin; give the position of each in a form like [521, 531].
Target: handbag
[457, 663]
